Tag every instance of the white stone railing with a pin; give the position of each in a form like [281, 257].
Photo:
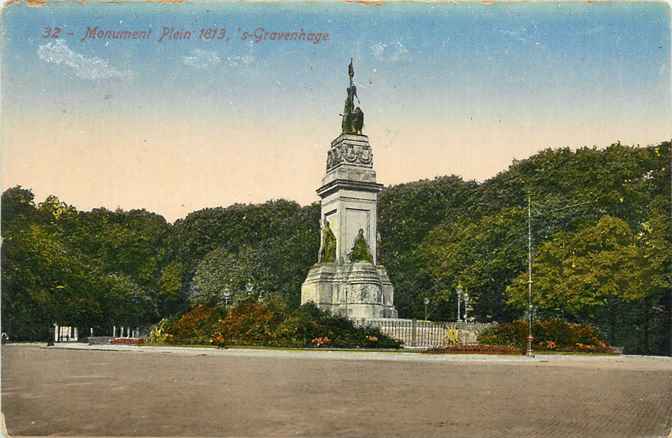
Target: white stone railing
[426, 334]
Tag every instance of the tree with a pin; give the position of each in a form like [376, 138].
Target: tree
[128, 242]
[90, 269]
[406, 214]
[482, 257]
[126, 302]
[44, 283]
[222, 275]
[576, 273]
[230, 228]
[171, 287]
[18, 210]
[620, 180]
[605, 273]
[655, 239]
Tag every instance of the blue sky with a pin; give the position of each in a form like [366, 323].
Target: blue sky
[466, 87]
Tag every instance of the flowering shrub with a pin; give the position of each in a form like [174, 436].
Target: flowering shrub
[127, 341]
[322, 340]
[271, 323]
[309, 322]
[249, 323]
[549, 335]
[194, 327]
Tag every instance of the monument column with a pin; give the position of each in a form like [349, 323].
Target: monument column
[348, 278]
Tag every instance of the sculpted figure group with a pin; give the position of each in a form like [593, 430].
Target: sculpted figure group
[353, 118]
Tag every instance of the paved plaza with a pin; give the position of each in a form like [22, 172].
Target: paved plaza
[130, 391]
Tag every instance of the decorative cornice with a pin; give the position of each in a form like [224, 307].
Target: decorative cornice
[359, 138]
[336, 184]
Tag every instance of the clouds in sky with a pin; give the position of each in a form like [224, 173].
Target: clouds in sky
[392, 52]
[235, 61]
[201, 59]
[84, 67]
[204, 59]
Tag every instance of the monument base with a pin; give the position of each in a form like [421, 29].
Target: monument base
[358, 290]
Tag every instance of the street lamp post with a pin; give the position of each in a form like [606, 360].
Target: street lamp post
[529, 276]
[459, 298]
[466, 307]
[52, 335]
[670, 268]
[530, 353]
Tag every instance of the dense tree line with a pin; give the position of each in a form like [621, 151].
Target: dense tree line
[91, 269]
[601, 234]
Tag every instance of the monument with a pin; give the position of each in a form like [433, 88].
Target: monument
[347, 278]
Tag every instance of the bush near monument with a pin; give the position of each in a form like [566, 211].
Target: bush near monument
[266, 323]
[549, 335]
[193, 327]
[270, 324]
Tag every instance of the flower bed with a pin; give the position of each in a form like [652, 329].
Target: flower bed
[127, 341]
[549, 335]
[475, 349]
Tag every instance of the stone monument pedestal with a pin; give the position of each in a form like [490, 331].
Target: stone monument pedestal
[357, 290]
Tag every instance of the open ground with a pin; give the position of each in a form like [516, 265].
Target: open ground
[204, 392]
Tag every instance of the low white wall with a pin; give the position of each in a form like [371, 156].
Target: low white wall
[426, 334]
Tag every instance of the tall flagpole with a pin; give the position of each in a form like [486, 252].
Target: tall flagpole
[529, 276]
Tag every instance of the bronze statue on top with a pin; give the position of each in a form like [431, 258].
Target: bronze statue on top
[353, 118]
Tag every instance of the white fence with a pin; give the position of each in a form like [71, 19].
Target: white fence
[427, 334]
[65, 333]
